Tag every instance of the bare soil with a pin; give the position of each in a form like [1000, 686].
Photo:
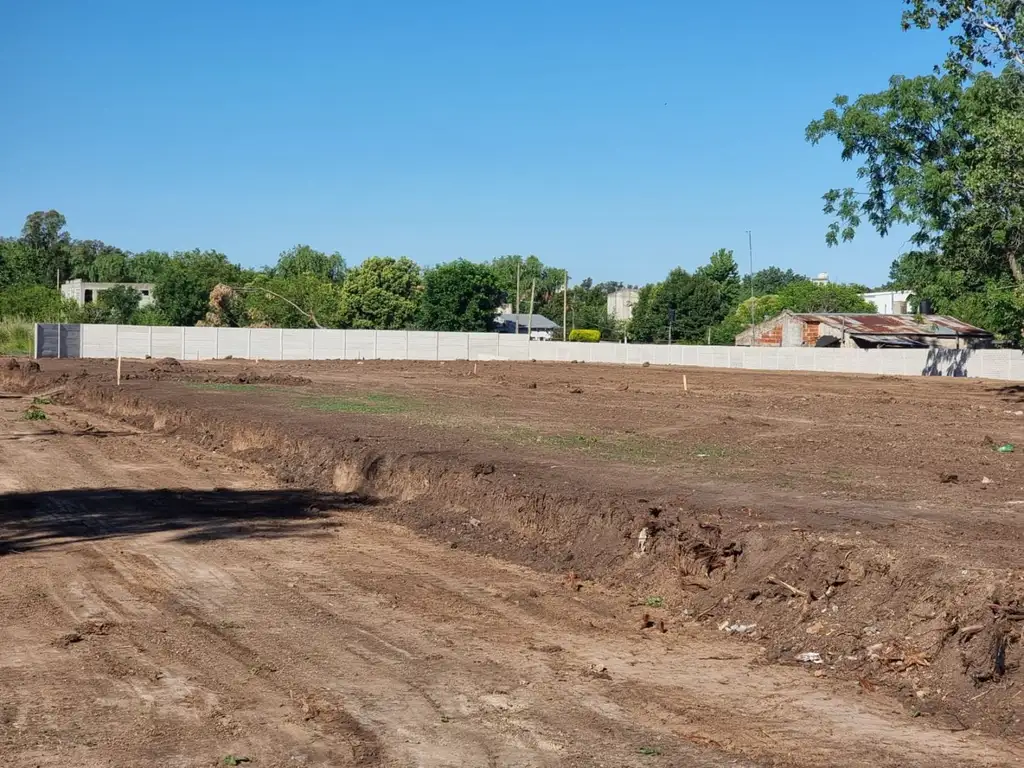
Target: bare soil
[507, 564]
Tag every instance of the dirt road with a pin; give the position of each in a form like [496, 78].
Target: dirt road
[229, 619]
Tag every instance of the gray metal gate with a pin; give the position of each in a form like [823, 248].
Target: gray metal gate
[58, 340]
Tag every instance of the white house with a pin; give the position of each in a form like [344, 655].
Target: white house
[87, 293]
[888, 302]
[621, 303]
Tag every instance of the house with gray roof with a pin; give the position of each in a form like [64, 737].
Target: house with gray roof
[538, 326]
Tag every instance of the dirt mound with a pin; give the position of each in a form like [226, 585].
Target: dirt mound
[11, 364]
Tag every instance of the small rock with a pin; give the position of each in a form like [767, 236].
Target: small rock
[985, 481]
[816, 628]
[948, 477]
[70, 638]
[474, 522]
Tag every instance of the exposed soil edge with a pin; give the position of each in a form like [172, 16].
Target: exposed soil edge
[943, 637]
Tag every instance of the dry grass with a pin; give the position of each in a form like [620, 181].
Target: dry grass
[15, 337]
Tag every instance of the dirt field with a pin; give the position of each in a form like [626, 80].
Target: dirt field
[463, 564]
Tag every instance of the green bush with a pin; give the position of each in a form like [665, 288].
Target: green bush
[584, 334]
[15, 337]
[35, 303]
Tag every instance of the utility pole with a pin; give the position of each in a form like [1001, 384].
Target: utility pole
[60, 316]
[529, 323]
[519, 264]
[750, 248]
[565, 305]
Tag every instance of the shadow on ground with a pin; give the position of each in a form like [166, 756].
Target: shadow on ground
[39, 520]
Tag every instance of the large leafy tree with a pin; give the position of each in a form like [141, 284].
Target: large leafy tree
[146, 267]
[460, 296]
[382, 292]
[304, 260]
[944, 154]
[691, 303]
[301, 301]
[985, 32]
[181, 295]
[183, 285]
[17, 263]
[100, 262]
[769, 280]
[120, 303]
[48, 242]
[805, 296]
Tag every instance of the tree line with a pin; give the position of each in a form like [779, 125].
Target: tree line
[943, 153]
[307, 288]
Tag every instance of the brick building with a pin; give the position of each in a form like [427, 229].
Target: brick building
[791, 329]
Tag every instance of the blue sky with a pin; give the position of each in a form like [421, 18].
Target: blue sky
[618, 139]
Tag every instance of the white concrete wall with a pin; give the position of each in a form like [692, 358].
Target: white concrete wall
[108, 341]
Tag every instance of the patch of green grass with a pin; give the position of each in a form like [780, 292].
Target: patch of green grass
[368, 403]
[35, 413]
[235, 760]
[15, 337]
[41, 401]
[649, 751]
[655, 602]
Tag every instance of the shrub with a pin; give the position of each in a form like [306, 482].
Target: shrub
[584, 334]
[15, 337]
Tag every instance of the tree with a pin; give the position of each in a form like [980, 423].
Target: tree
[45, 237]
[105, 263]
[120, 303]
[35, 303]
[16, 262]
[460, 296]
[806, 296]
[696, 301]
[382, 293]
[146, 267]
[181, 294]
[988, 31]
[303, 260]
[941, 157]
[532, 271]
[723, 271]
[943, 154]
[769, 280]
[183, 285]
[302, 301]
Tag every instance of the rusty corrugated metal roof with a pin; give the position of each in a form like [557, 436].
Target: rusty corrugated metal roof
[894, 325]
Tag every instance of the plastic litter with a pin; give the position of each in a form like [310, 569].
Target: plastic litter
[810, 657]
[740, 629]
[1005, 448]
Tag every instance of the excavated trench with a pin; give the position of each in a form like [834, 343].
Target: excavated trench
[942, 634]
